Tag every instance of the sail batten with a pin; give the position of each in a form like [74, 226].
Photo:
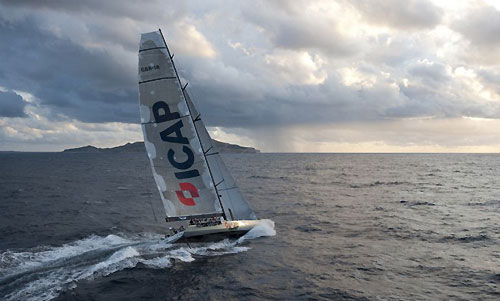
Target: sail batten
[154, 48]
[190, 175]
[155, 79]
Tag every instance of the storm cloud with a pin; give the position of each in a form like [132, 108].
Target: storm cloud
[480, 25]
[404, 15]
[11, 105]
[256, 69]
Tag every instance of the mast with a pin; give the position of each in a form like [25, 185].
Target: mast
[194, 120]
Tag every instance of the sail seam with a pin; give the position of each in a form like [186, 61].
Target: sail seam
[155, 79]
[141, 50]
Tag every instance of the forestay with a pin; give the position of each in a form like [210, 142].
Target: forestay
[190, 174]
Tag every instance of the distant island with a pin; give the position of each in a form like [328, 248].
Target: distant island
[139, 147]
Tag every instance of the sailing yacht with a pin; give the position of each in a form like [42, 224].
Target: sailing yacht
[199, 194]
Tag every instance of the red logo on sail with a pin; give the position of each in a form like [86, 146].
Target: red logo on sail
[188, 187]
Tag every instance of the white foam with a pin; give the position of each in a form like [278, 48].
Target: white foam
[264, 228]
[57, 268]
[158, 262]
[20, 261]
[117, 261]
[181, 254]
[43, 272]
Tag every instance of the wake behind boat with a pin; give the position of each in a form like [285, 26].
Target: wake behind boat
[199, 194]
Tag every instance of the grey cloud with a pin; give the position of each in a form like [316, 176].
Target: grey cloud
[246, 97]
[232, 90]
[480, 26]
[135, 9]
[405, 15]
[11, 105]
[91, 86]
[491, 79]
[88, 85]
[288, 28]
[247, 102]
[433, 75]
[423, 100]
[394, 51]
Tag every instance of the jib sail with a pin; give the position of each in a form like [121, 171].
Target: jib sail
[192, 179]
[234, 204]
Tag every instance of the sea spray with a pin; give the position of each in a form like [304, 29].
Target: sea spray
[264, 228]
[41, 273]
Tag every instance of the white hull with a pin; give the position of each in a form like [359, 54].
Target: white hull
[226, 228]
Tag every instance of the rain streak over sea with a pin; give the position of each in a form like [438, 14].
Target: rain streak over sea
[82, 226]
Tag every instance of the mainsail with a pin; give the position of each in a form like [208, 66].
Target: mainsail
[192, 179]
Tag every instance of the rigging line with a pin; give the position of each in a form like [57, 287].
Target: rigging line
[194, 125]
[213, 154]
[153, 209]
[187, 242]
[230, 199]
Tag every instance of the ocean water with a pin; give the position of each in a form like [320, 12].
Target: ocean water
[341, 227]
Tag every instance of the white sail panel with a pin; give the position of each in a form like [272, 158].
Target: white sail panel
[154, 58]
[235, 205]
[177, 160]
[170, 93]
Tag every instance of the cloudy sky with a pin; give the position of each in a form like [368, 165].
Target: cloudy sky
[295, 76]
